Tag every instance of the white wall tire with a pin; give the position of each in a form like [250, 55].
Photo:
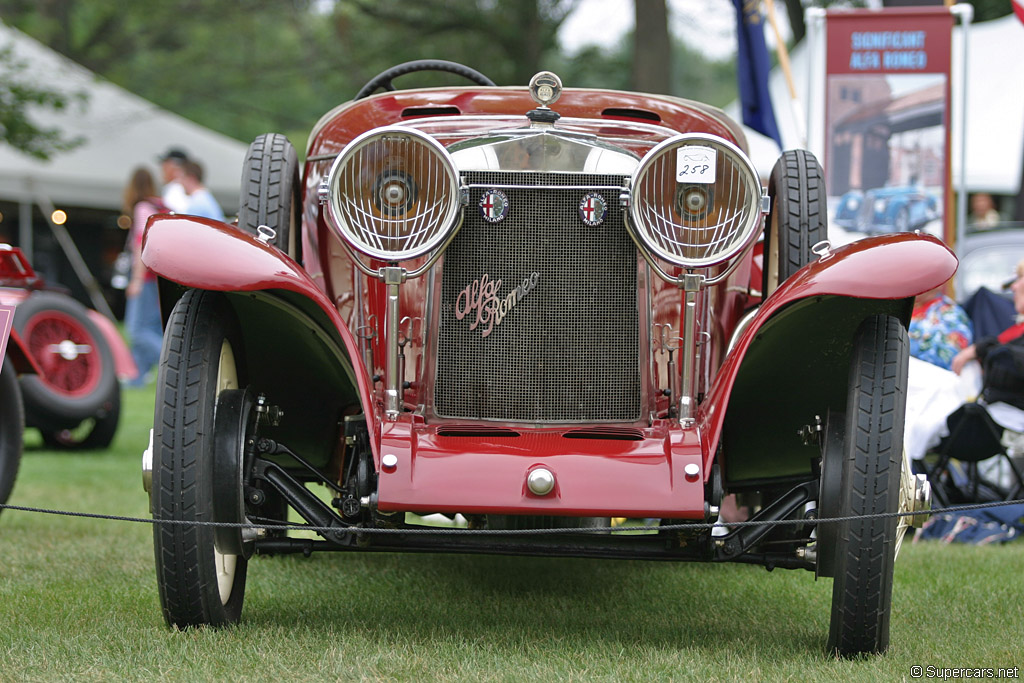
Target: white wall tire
[201, 359]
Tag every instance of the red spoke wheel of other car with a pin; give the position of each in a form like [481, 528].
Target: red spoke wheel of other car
[77, 365]
[871, 457]
[797, 218]
[65, 352]
[12, 424]
[200, 364]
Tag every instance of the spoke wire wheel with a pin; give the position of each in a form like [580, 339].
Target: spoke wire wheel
[77, 367]
[65, 352]
[872, 455]
[201, 360]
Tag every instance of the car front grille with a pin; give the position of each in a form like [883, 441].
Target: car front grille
[866, 213]
[566, 350]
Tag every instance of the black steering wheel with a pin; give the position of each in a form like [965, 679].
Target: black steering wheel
[384, 78]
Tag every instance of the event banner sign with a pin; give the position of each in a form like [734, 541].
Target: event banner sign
[887, 120]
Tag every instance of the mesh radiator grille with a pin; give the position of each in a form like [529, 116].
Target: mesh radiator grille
[566, 350]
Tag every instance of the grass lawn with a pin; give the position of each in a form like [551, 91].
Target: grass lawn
[78, 601]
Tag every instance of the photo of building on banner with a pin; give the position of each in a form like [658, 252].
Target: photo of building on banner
[887, 116]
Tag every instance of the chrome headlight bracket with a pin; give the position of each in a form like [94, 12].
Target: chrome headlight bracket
[393, 195]
[695, 202]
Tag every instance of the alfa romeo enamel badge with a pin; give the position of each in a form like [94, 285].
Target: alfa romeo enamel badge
[593, 209]
[494, 206]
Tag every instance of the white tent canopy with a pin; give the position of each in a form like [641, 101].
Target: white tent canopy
[995, 108]
[121, 131]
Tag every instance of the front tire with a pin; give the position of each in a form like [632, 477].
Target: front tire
[201, 361]
[865, 549]
[797, 217]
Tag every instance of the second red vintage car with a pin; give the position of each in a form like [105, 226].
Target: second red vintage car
[68, 359]
[537, 308]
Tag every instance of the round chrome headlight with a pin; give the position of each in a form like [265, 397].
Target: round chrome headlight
[393, 194]
[696, 201]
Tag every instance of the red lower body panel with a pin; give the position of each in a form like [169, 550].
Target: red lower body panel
[478, 473]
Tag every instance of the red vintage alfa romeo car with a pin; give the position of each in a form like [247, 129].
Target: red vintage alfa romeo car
[537, 308]
[59, 372]
[67, 359]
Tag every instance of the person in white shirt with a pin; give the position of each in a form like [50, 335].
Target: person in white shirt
[172, 166]
[200, 200]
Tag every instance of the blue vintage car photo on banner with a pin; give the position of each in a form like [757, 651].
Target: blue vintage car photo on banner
[887, 117]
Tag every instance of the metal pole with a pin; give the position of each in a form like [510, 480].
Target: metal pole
[814, 17]
[75, 258]
[966, 14]
[25, 228]
[787, 71]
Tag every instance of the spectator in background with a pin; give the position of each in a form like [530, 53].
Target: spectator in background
[939, 329]
[172, 166]
[984, 213]
[1007, 347]
[200, 200]
[142, 304]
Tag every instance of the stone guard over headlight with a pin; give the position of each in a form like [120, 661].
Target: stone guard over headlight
[695, 201]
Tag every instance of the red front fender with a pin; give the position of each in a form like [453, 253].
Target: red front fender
[201, 253]
[206, 254]
[798, 345]
[883, 267]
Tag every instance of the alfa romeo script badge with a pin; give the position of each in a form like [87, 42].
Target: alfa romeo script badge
[486, 305]
[493, 206]
[592, 209]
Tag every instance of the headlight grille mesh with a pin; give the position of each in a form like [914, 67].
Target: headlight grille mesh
[394, 194]
[695, 224]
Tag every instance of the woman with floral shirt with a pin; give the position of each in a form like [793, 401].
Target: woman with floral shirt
[939, 329]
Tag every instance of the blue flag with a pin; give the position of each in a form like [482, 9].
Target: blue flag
[752, 70]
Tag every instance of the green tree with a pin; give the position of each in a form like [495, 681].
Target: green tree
[510, 39]
[20, 98]
[652, 56]
[252, 66]
[249, 67]
[234, 67]
[694, 76]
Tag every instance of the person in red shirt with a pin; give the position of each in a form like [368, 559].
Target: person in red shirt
[1001, 356]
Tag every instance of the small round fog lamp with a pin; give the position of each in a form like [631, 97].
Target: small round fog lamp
[540, 481]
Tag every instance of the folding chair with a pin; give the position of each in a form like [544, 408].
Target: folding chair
[956, 477]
